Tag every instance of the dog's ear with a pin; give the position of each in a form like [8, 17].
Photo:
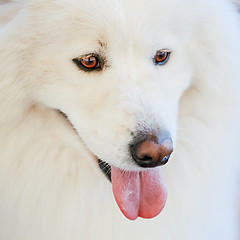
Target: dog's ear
[215, 53]
[215, 56]
[211, 105]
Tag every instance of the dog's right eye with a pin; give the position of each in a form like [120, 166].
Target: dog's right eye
[88, 62]
[162, 56]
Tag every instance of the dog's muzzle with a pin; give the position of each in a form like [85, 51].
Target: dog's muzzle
[148, 150]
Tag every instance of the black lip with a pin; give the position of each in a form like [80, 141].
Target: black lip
[106, 169]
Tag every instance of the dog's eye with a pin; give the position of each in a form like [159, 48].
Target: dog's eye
[88, 62]
[162, 56]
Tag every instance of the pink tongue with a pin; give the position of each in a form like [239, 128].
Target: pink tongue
[140, 194]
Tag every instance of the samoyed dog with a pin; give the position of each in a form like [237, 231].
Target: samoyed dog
[96, 97]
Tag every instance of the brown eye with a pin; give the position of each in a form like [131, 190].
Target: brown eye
[162, 56]
[88, 62]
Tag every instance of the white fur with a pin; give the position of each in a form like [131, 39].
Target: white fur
[50, 184]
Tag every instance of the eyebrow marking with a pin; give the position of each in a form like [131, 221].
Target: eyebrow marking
[102, 44]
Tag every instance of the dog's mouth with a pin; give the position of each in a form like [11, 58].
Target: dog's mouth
[137, 193]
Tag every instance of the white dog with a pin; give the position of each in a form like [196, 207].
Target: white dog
[115, 89]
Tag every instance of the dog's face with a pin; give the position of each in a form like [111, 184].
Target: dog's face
[123, 88]
[117, 71]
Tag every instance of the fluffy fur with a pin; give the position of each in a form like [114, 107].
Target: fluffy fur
[50, 184]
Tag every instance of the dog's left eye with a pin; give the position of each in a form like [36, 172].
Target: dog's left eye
[162, 56]
[88, 62]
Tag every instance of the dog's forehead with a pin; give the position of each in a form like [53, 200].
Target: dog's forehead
[115, 16]
[115, 22]
[117, 26]
[122, 20]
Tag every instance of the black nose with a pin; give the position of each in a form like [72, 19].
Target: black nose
[151, 150]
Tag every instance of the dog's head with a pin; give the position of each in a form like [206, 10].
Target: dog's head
[117, 72]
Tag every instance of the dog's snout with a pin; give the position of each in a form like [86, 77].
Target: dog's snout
[151, 150]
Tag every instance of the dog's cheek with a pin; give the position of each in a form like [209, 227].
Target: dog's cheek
[105, 131]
